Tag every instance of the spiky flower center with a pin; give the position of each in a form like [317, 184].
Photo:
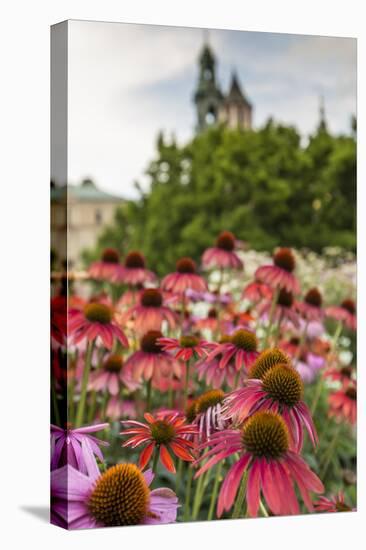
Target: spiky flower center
[135, 260]
[285, 298]
[162, 432]
[98, 313]
[313, 297]
[351, 393]
[266, 360]
[283, 384]
[110, 256]
[212, 314]
[188, 341]
[149, 342]
[346, 372]
[244, 339]
[349, 305]
[209, 399]
[265, 434]
[151, 297]
[191, 412]
[186, 265]
[226, 241]
[120, 496]
[284, 259]
[114, 363]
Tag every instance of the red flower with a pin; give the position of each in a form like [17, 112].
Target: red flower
[95, 320]
[133, 272]
[311, 307]
[280, 275]
[107, 267]
[345, 313]
[343, 404]
[332, 504]
[164, 434]
[186, 347]
[222, 255]
[241, 349]
[150, 313]
[184, 278]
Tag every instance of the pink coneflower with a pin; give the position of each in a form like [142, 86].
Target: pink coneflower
[343, 404]
[345, 313]
[185, 347]
[133, 271]
[344, 375]
[151, 361]
[150, 313]
[311, 307]
[308, 365]
[107, 267]
[257, 291]
[279, 390]
[66, 446]
[108, 376]
[211, 322]
[215, 376]
[161, 435]
[120, 408]
[332, 504]
[184, 278]
[95, 320]
[119, 496]
[263, 445]
[222, 255]
[241, 350]
[283, 309]
[207, 414]
[280, 275]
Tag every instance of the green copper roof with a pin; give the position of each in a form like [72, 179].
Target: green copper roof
[87, 191]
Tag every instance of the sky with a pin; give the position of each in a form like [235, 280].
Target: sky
[127, 82]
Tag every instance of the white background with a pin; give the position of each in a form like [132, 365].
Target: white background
[24, 204]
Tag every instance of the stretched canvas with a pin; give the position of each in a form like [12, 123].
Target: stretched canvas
[203, 274]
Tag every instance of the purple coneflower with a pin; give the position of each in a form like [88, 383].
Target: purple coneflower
[280, 274]
[222, 255]
[184, 278]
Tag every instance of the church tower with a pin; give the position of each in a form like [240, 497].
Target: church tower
[208, 97]
[236, 111]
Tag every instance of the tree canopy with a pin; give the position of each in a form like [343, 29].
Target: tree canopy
[263, 185]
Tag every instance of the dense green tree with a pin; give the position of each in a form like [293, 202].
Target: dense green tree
[265, 186]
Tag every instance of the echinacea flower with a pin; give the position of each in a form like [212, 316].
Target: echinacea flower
[280, 389]
[184, 278]
[345, 313]
[257, 291]
[283, 308]
[311, 307]
[280, 274]
[108, 376]
[119, 496]
[308, 365]
[133, 271]
[96, 320]
[241, 350]
[262, 443]
[344, 375]
[185, 347]
[107, 267]
[66, 446]
[151, 361]
[207, 414]
[267, 359]
[120, 408]
[332, 504]
[209, 369]
[161, 435]
[343, 404]
[150, 313]
[211, 322]
[222, 255]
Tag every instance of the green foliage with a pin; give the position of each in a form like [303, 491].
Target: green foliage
[263, 185]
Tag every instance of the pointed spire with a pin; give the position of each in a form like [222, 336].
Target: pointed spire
[322, 122]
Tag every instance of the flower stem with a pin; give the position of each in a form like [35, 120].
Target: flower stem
[155, 460]
[317, 394]
[330, 450]
[178, 476]
[84, 384]
[263, 509]
[214, 491]
[240, 497]
[148, 395]
[186, 384]
[188, 493]
[198, 496]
